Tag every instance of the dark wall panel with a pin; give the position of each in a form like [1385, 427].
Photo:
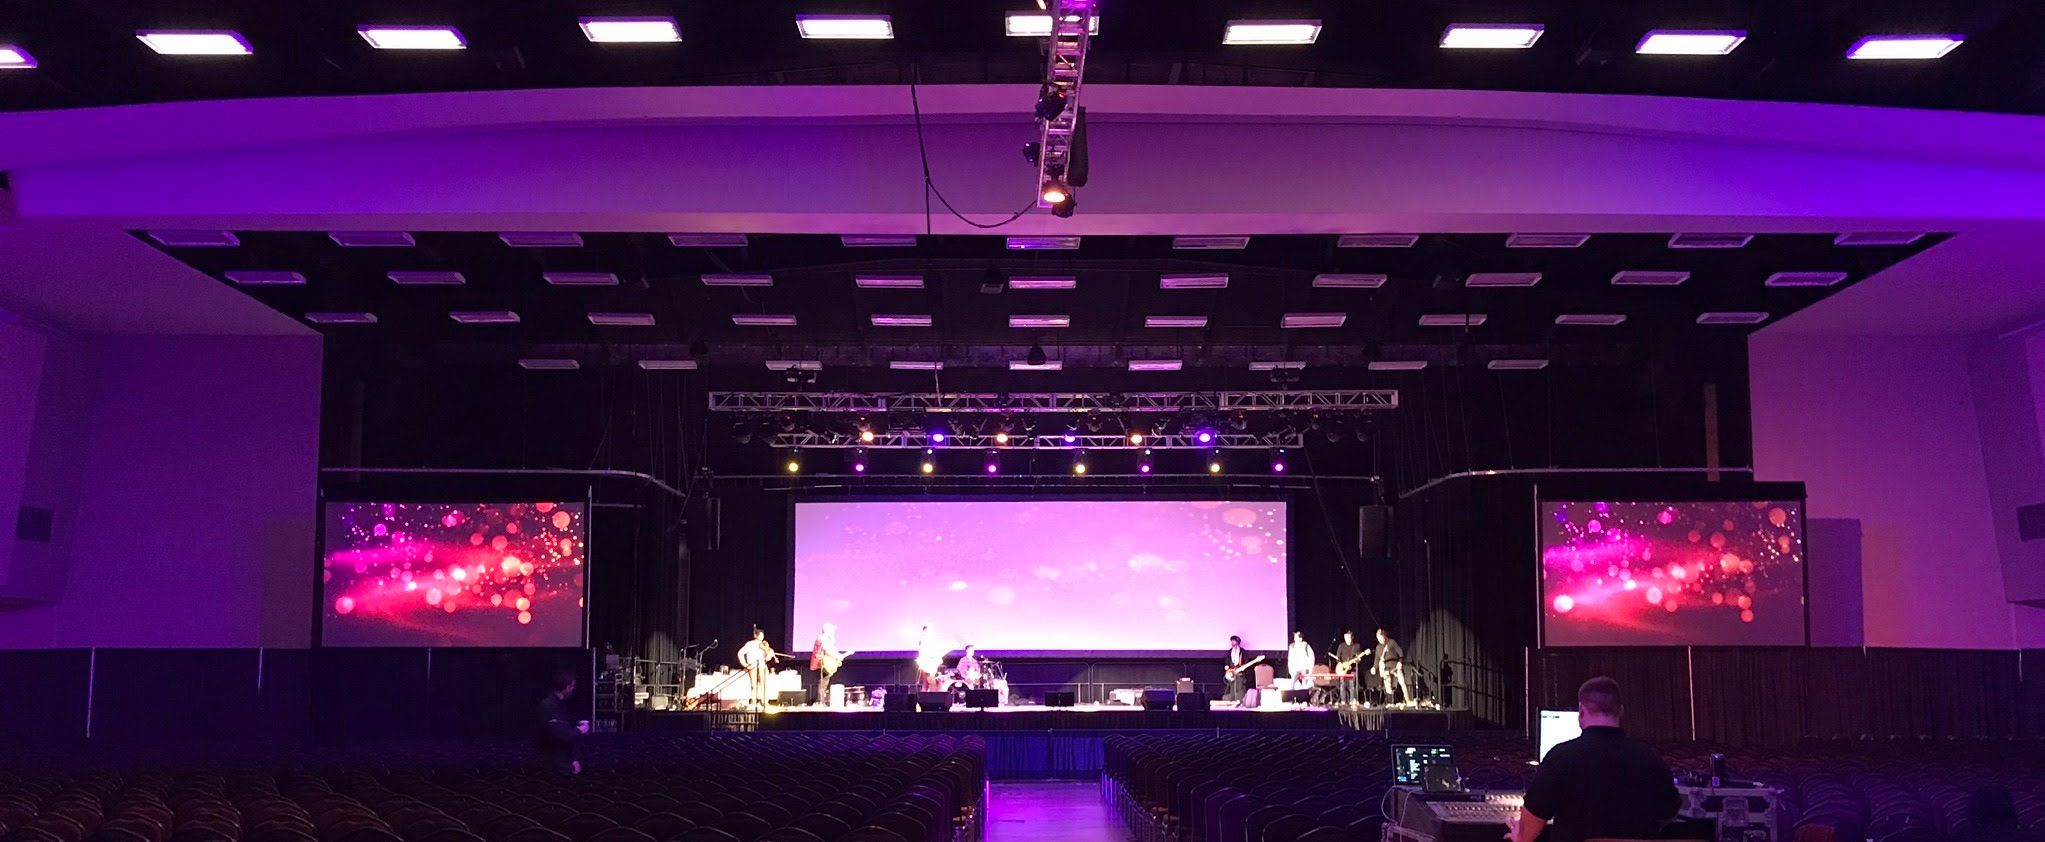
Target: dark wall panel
[495, 693]
[175, 696]
[43, 697]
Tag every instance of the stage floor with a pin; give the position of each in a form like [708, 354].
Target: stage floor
[1039, 718]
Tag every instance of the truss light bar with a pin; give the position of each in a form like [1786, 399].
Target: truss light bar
[1043, 243]
[1025, 24]
[541, 239]
[900, 320]
[668, 365]
[1376, 241]
[1397, 365]
[621, 319]
[1490, 36]
[1156, 365]
[711, 241]
[1271, 32]
[795, 365]
[335, 318]
[195, 42]
[916, 365]
[1709, 241]
[1306, 320]
[412, 37]
[15, 58]
[1546, 241]
[1689, 42]
[371, 239]
[1193, 282]
[1904, 47]
[1516, 365]
[1278, 365]
[845, 27]
[1041, 282]
[876, 241]
[1732, 317]
[1174, 321]
[266, 278]
[729, 280]
[484, 317]
[1649, 278]
[581, 279]
[1591, 319]
[1332, 280]
[1452, 320]
[642, 30]
[763, 319]
[1889, 238]
[1062, 403]
[196, 239]
[1201, 243]
[1805, 279]
[426, 278]
[888, 281]
[1502, 279]
[1025, 365]
[1039, 321]
[534, 364]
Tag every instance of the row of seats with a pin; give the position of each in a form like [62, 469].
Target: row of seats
[756, 788]
[1282, 787]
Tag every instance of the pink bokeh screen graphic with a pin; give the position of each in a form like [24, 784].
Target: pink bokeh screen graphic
[1672, 573]
[453, 574]
[1042, 576]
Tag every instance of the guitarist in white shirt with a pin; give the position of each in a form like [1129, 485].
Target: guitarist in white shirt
[825, 659]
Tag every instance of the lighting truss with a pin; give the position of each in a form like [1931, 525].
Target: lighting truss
[1055, 402]
[919, 439]
[1064, 68]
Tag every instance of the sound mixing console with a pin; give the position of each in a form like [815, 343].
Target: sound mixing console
[1462, 817]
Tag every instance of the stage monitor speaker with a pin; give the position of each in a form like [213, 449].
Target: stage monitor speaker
[1060, 699]
[793, 698]
[1373, 531]
[899, 701]
[1185, 685]
[1192, 701]
[1296, 697]
[1157, 699]
[983, 699]
[930, 701]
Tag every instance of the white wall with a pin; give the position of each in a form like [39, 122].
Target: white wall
[1883, 430]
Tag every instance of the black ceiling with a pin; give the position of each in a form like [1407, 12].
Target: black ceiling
[1118, 285]
[1795, 50]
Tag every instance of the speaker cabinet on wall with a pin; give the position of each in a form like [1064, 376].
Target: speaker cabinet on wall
[1373, 531]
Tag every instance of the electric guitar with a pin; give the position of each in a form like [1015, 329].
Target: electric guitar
[1229, 673]
[831, 662]
[1342, 667]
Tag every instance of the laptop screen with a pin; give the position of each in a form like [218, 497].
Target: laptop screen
[1408, 761]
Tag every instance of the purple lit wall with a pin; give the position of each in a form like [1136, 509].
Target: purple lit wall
[1882, 430]
[194, 518]
[2008, 377]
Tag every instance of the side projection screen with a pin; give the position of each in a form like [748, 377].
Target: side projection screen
[1672, 573]
[453, 574]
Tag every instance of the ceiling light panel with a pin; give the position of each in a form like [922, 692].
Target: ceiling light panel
[1490, 36]
[412, 37]
[631, 30]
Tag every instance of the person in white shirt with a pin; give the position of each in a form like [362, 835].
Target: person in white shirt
[757, 658]
[1299, 660]
[929, 657]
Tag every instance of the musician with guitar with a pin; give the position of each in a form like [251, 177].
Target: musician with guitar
[1236, 670]
[825, 659]
[1346, 657]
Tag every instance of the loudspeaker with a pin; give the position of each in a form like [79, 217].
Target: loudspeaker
[1060, 699]
[933, 700]
[983, 699]
[1192, 701]
[1373, 532]
[899, 701]
[1157, 700]
[793, 698]
[1296, 697]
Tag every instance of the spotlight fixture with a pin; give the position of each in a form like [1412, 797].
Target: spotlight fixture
[1093, 423]
[1051, 102]
[1079, 463]
[1063, 208]
[866, 434]
[1203, 436]
[993, 461]
[940, 433]
[1214, 461]
[1136, 436]
[1144, 462]
[1056, 193]
[1000, 436]
[859, 460]
[1033, 152]
[1071, 432]
[1278, 460]
[1036, 356]
[1240, 421]
[787, 423]
[929, 463]
[794, 461]
[742, 431]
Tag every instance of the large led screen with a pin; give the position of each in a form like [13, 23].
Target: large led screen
[1043, 575]
[453, 574]
[1672, 574]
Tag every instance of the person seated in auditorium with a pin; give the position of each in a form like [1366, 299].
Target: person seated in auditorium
[970, 671]
[1390, 668]
[1601, 785]
[1992, 817]
[1235, 670]
[1299, 660]
[560, 738]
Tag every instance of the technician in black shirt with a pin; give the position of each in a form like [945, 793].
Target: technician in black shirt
[1601, 785]
[1346, 656]
[560, 738]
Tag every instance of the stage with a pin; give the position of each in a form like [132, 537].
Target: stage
[1084, 718]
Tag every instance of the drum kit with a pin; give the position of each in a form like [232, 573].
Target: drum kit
[990, 676]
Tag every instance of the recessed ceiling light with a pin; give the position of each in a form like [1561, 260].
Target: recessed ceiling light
[1278, 365]
[1732, 318]
[1490, 36]
[1040, 282]
[1689, 42]
[1649, 278]
[581, 279]
[916, 365]
[195, 42]
[648, 30]
[484, 317]
[15, 58]
[341, 318]
[900, 320]
[1709, 241]
[548, 365]
[795, 365]
[541, 239]
[872, 241]
[412, 37]
[1329, 280]
[1210, 243]
[1174, 321]
[1502, 279]
[1025, 365]
[1271, 32]
[1304, 320]
[1038, 24]
[1043, 243]
[426, 278]
[1452, 320]
[1591, 319]
[196, 239]
[1516, 365]
[763, 320]
[266, 278]
[738, 280]
[1156, 365]
[1397, 365]
[1040, 321]
[708, 240]
[1877, 238]
[888, 281]
[1904, 47]
[845, 27]
[371, 239]
[621, 319]
[1805, 279]
[1193, 282]
[1546, 241]
[1376, 241]
[668, 365]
